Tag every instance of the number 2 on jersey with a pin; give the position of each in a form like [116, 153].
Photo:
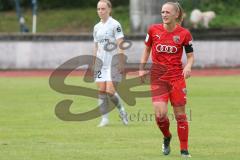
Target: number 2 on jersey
[99, 74]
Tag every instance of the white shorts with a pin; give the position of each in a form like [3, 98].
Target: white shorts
[107, 74]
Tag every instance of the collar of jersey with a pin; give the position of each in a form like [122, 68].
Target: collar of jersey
[107, 20]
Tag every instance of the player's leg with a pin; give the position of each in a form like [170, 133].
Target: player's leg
[115, 98]
[161, 111]
[160, 96]
[100, 79]
[162, 120]
[178, 101]
[182, 129]
[102, 102]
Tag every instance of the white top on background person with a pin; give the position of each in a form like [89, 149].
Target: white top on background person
[108, 36]
[105, 34]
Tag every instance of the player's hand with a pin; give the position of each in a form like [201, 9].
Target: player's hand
[91, 69]
[143, 75]
[187, 72]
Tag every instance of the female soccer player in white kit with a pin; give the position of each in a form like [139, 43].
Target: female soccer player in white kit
[108, 31]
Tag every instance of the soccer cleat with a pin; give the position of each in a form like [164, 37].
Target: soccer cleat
[124, 117]
[103, 122]
[166, 145]
[185, 154]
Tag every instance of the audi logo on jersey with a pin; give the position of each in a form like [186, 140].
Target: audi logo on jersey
[160, 48]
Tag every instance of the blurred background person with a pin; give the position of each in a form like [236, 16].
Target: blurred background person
[109, 73]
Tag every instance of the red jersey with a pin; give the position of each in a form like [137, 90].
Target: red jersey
[167, 50]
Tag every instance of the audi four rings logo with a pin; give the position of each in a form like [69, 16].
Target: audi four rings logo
[166, 48]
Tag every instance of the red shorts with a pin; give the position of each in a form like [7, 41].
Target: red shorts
[163, 90]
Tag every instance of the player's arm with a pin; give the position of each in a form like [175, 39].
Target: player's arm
[90, 70]
[121, 55]
[144, 59]
[187, 69]
[92, 66]
[188, 46]
[95, 48]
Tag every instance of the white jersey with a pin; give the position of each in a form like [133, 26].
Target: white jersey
[106, 33]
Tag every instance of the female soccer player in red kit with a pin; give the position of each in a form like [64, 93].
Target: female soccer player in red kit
[165, 42]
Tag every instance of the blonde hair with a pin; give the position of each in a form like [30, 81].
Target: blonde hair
[179, 9]
[109, 4]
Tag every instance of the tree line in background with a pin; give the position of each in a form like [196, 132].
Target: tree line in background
[216, 5]
[50, 4]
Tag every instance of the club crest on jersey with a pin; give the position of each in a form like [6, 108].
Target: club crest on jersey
[119, 29]
[176, 39]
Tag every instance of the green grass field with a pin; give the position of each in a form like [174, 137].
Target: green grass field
[29, 129]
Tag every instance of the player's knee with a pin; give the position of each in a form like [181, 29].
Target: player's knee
[161, 112]
[102, 92]
[161, 115]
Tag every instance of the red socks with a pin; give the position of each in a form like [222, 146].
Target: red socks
[182, 128]
[163, 125]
